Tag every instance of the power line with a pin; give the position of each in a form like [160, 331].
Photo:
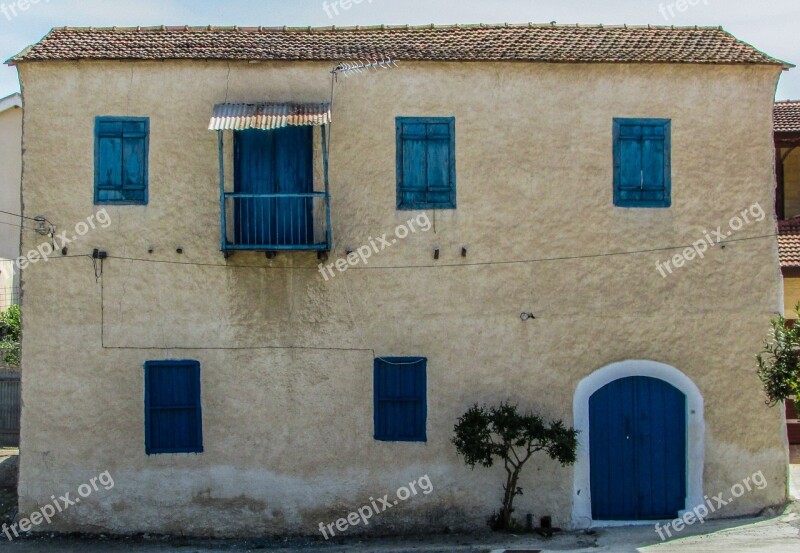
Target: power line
[21, 216]
[440, 265]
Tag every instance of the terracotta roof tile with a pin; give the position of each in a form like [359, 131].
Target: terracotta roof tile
[544, 43]
[789, 242]
[787, 116]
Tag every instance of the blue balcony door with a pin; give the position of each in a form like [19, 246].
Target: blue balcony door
[637, 435]
[269, 163]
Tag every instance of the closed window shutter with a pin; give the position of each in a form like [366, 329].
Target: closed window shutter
[121, 171]
[426, 164]
[109, 144]
[134, 155]
[173, 412]
[400, 399]
[642, 163]
[438, 175]
[414, 143]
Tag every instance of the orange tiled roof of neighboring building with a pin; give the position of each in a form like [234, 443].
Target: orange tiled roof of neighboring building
[787, 116]
[527, 42]
[789, 242]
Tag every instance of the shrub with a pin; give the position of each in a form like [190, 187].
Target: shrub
[484, 434]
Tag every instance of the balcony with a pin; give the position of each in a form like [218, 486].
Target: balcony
[276, 222]
[274, 203]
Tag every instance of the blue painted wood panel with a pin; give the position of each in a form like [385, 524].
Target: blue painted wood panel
[274, 162]
[400, 390]
[173, 415]
[121, 160]
[426, 165]
[642, 164]
[637, 432]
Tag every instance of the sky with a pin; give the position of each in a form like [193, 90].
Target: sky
[773, 26]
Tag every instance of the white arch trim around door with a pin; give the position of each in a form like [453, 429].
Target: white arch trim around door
[695, 439]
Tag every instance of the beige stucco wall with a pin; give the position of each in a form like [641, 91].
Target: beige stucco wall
[288, 417]
[791, 182]
[10, 174]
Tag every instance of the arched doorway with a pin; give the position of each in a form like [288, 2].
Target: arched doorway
[637, 450]
[628, 415]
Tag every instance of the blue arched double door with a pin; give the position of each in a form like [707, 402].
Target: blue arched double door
[637, 434]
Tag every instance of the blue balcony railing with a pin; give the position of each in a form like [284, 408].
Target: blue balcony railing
[276, 222]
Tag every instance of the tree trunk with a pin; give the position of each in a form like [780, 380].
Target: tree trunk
[508, 499]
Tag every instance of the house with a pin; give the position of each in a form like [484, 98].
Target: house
[787, 162]
[310, 271]
[10, 175]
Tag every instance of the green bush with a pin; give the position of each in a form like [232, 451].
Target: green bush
[779, 363]
[485, 433]
[10, 331]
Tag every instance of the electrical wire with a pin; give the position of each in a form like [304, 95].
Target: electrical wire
[18, 226]
[441, 265]
[21, 216]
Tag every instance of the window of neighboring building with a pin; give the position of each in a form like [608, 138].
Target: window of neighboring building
[642, 173]
[173, 418]
[400, 399]
[426, 163]
[120, 158]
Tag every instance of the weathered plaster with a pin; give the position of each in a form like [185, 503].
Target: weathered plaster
[291, 429]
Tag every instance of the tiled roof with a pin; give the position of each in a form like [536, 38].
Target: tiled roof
[528, 42]
[789, 242]
[787, 116]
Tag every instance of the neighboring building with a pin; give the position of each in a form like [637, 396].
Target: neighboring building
[787, 150]
[10, 175]
[237, 393]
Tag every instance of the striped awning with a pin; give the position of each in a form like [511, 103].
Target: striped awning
[268, 116]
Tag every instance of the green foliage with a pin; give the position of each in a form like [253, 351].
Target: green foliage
[779, 363]
[484, 435]
[10, 331]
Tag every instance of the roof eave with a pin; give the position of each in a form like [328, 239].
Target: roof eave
[10, 102]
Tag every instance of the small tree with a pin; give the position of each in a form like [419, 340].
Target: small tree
[485, 433]
[10, 330]
[779, 363]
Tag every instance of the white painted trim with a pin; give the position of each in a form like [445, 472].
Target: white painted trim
[13, 101]
[695, 440]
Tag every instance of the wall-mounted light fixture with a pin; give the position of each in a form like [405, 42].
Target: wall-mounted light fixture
[527, 316]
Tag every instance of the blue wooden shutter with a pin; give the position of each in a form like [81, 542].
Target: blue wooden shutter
[173, 417]
[426, 168]
[109, 154]
[642, 166]
[400, 386]
[121, 160]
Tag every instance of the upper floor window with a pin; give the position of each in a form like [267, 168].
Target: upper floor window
[120, 159]
[426, 163]
[173, 418]
[642, 170]
[400, 399]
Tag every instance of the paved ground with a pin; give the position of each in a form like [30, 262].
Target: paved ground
[772, 533]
